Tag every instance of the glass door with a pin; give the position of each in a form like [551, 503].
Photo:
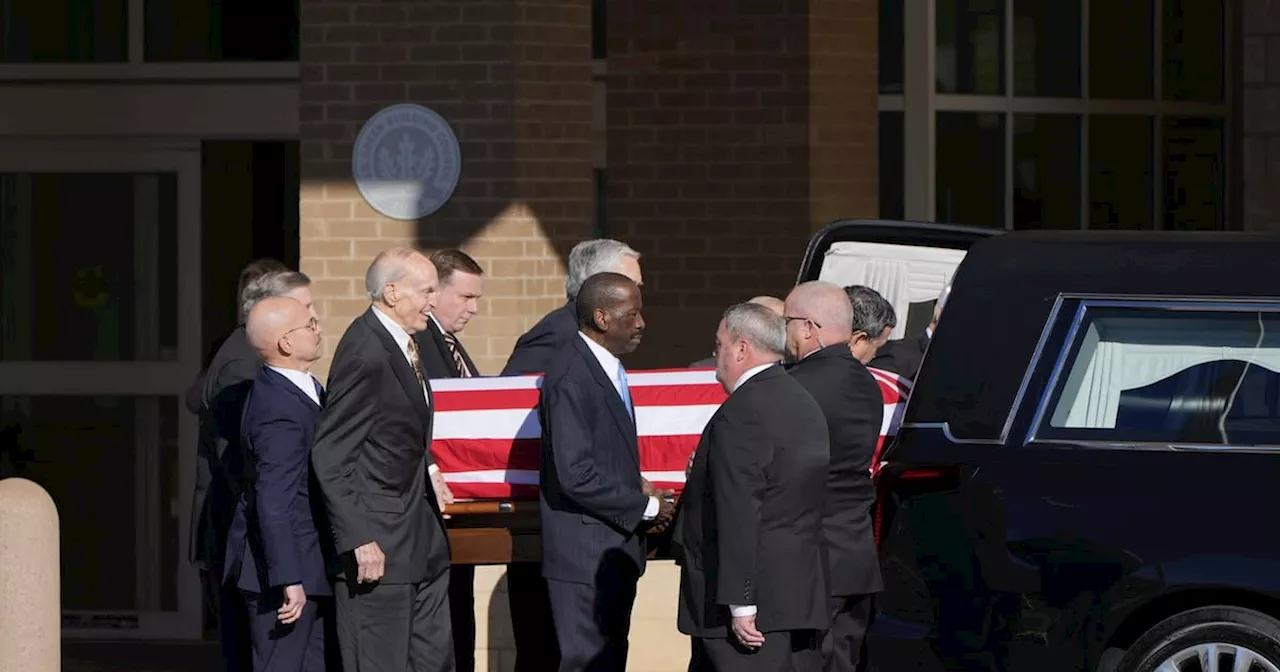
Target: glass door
[99, 338]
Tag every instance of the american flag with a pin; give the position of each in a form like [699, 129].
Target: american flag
[487, 431]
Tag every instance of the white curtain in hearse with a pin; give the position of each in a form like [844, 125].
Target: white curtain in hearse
[903, 274]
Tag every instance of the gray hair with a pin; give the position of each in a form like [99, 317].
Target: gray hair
[758, 325]
[594, 256]
[276, 283]
[872, 313]
[391, 265]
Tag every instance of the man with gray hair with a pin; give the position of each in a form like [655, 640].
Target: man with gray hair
[531, 623]
[819, 329]
[873, 320]
[771, 302]
[752, 511]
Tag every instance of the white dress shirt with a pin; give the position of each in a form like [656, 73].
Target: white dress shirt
[610, 364]
[402, 338]
[303, 380]
[740, 610]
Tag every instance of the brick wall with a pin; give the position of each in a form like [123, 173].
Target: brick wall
[513, 79]
[1261, 113]
[735, 127]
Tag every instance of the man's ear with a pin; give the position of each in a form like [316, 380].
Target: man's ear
[600, 320]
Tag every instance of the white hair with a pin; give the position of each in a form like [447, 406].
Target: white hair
[391, 265]
[758, 325]
[275, 283]
[591, 257]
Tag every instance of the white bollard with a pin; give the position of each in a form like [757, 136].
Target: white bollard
[30, 580]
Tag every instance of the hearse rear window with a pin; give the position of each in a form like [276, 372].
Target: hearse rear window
[1201, 377]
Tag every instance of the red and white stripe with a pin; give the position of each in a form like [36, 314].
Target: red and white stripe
[487, 431]
[894, 390]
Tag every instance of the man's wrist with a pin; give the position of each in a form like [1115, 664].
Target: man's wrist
[742, 610]
[651, 508]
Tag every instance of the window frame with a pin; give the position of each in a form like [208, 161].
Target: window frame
[1060, 365]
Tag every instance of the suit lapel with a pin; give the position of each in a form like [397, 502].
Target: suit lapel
[400, 365]
[437, 337]
[280, 381]
[613, 400]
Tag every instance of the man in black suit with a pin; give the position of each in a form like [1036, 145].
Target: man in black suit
[771, 302]
[531, 621]
[903, 356]
[461, 286]
[273, 547]
[374, 467]
[217, 396]
[873, 320]
[748, 536]
[593, 505]
[819, 319]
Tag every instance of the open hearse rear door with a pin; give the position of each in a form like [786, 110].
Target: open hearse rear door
[909, 263]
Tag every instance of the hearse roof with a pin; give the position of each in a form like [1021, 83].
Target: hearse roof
[1006, 286]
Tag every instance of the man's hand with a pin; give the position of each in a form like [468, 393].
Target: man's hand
[666, 507]
[744, 630]
[370, 562]
[444, 496]
[295, 598]
[647, 488]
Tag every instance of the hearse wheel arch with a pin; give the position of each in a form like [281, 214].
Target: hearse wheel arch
[1229, 633]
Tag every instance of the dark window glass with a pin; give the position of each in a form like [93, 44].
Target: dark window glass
[892, 189]
[1046, 171]
[1121, 49]
[1193, 174]
[1120, 180]
[110, 464]
[90, 267]
[970, 46]
[63, 31]
[970, 168]
[1194, 50]
[1046, 48]
[599, 29]
[891, 41]
[221, 30]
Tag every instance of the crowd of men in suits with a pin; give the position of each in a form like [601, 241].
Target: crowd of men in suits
[319, 514]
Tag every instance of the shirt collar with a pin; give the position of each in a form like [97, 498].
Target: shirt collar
[398, 334]
[606, 359]
[301, 379]
[749, 374]
[436, 321]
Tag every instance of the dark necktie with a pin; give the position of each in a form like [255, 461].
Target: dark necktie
[417, 363]
[319, 390]
[458, 362]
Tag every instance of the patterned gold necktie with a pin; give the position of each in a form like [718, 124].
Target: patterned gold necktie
[417, 363]
[459, 363]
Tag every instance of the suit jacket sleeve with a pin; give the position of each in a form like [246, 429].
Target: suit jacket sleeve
[531, 354]
[341, 430]
[280, 444]
[736, 467]
[599, 493]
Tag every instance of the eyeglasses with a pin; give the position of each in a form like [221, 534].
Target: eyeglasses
[312, 324]
[787, 320]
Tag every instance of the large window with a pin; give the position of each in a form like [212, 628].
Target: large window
[1058, 114]
[1156, 375]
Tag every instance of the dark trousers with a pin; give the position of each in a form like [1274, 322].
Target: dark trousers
[229, 613]
[786, 651]
[293, 647]
[532, 624]
[462, 612]
[592, 623]
[395, 627]
[844, 646]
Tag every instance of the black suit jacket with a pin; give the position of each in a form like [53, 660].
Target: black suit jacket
[371, 457]
[437, 362]
[536, 348]
[218, 396]
[749, 529]
[274, 539]
[902, 356]
[590, 496]
[851, 402]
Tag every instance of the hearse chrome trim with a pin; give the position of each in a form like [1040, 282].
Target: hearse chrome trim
[1163, 303]
[1158, 447]
[1031, 367]
[945, 427]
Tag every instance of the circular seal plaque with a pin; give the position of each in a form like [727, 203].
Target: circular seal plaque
[406, 161]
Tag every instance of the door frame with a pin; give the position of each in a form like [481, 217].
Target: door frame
[144, 378]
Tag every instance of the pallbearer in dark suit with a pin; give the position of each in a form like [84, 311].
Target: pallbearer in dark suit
[461, 286]
[873, 320]
[771, 302]
[374, 466]
[593, 506]
[274, 548]
[748, 536]
[531, 621]
[819, 319]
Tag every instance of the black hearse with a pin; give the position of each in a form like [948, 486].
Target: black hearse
[1086, 474]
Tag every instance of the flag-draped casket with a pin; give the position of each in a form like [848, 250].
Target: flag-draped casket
[487, 433]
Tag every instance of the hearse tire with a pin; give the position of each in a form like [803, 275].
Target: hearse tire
[1225, 624]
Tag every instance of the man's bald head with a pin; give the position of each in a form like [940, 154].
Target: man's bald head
[818, 314]
[280, 329]
[771, 302]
